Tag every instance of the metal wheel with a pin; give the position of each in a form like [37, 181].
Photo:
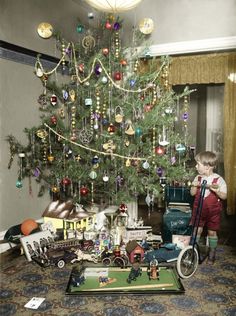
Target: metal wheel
[119, 262]
[106, 261]
[61, 264]
[187, 262]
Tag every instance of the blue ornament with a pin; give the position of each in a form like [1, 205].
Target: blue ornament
[159, 171]
[95, 160]
[19, 184]
[132, 82]
[138, 131]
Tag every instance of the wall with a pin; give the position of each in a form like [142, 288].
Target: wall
[175, 21]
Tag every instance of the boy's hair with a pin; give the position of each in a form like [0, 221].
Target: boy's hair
[207, 158]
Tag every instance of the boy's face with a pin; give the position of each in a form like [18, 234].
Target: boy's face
[202, 169]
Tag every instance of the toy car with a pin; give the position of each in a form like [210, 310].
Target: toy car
[55, 257]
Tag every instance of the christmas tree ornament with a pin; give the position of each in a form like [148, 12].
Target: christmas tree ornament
[147, 108]
[36, 172]
[117, 75]
[162, 138]
[88, 101]
[180, 148]
[118, 114]
[81, 68]
[159, 171]
[90, 15]
[145, 165]
[104, 80]
[116, 26]
[53, 100]
[123, 62]
[108, 25]
[160, 151]
[19, 184]
[95, 160]
[45, 30]
[128, 163]
[146, 26]
[109, 147]
[65, 181]
[39, 72]
[97, 69]
[72, 95]
[138, 131]
[111, 129]
[55, 189]
[53, 120]
[129, 130]
[84, 191]
[50, 158]
[88, 43]
[61, 112]
[93, 175]
[132, 82]
[105, 178]
[80, 28]
[65, 94]
[105, 51]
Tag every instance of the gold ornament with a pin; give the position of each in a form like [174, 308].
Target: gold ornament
[129, 129]
[50, 158]
[42, 133]
[45, 30]
[146, 26]
[109, 146]
[88, 42]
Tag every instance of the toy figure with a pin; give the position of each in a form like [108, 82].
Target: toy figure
[153, 270]
[135, 272]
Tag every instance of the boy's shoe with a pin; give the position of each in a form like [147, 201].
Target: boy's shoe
[211, 257]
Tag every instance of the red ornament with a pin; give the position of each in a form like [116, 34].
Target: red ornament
[160, 150]
[84, 191]
[65, 181]
[111, 128]
[147, 107]
[53, 120]
[123, 62]
[53, 100]
[28, 226]
[117, 75]
[81, 68]
[105, 51]
[108, 25]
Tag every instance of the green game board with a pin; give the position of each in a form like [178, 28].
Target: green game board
[168, 282]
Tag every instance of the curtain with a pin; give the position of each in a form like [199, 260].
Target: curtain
[206, 69]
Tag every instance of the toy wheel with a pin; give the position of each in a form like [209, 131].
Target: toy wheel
[119, 262]
[187, 262]
[106, 261]
[61, 264]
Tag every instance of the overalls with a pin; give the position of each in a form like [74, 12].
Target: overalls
[211, 209]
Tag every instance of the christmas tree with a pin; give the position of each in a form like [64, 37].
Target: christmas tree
[109, 134]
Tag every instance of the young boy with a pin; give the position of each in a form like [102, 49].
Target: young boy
[216, 191]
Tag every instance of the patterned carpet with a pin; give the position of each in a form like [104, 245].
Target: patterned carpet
[211, 291]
